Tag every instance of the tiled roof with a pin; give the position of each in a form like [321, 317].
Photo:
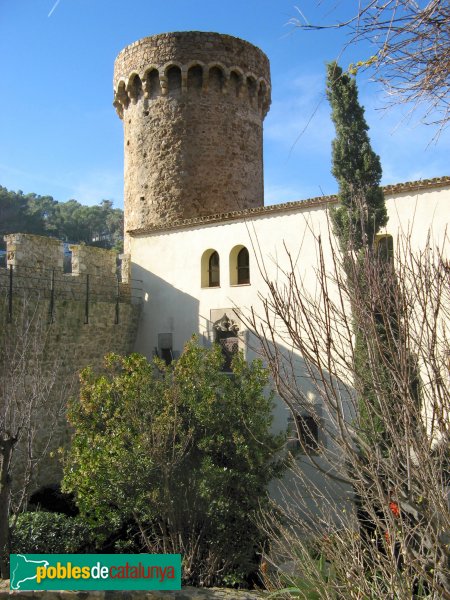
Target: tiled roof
[397, 188]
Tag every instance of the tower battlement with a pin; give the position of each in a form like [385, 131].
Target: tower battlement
[139, 72]
[192, 105]
[192, 45]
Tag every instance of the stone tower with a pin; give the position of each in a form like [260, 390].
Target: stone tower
[192, 105]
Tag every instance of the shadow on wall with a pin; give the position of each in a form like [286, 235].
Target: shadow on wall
[313, 486]
[169, 317]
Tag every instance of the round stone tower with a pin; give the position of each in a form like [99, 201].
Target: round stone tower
[192, 105]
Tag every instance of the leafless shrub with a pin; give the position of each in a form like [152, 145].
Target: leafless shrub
[31, 406]
[376, 524]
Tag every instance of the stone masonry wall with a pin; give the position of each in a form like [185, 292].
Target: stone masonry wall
[72, 320]
[192, 105]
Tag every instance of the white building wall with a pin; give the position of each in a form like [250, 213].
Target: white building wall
[418, 214]
[169, 264]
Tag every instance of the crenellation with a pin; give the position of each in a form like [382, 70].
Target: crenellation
[125, 268]
[36, 267]
[93, 261]
[36, 252]
[41, 255]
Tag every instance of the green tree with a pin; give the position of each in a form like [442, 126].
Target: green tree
[41, 209]
[377, 304]
[362, 210]
[183, 451]
[358, 218]
[70, 221]
[14, 215]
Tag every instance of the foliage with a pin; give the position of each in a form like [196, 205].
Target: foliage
[312, 584]
[69, 221]
[182, 450]
[360, 215]
[357, 219]
[51, 533]
[362, 211]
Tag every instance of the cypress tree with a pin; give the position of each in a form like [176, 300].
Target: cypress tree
[362, 210]
[360, 214]
[386, 373]
[376, 301]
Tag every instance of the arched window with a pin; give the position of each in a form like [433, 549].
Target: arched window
[216, 79]
[210, 269]
[384, 246]
[243, 267]
[195, 78]
[239, 266]
[235, 83]
[252, 89]
[135, 88]
[153, 83]
[214, 270]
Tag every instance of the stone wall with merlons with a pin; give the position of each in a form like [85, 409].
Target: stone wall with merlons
[58, 323]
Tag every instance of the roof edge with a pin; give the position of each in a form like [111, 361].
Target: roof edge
[397, 188]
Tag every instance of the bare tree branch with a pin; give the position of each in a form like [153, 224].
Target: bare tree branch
[388, 533]
[32, 403]
[411, 50]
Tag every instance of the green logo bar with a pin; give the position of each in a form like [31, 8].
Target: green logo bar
[95, 572]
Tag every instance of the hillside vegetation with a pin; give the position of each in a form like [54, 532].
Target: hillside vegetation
[100, 225]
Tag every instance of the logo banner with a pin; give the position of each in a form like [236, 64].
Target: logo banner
[95, 572]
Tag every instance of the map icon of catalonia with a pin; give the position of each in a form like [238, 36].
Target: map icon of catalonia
[23, 570]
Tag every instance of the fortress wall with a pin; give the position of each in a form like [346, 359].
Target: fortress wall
[61, 323]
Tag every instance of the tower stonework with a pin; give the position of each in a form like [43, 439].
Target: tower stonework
[192, 105]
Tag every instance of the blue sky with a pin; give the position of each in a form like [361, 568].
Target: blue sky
[59, 133]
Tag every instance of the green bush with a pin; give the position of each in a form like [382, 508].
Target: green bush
[50, 533]
[183, 453]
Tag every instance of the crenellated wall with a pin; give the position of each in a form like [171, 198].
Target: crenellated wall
[74, 319]
[192, 105]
